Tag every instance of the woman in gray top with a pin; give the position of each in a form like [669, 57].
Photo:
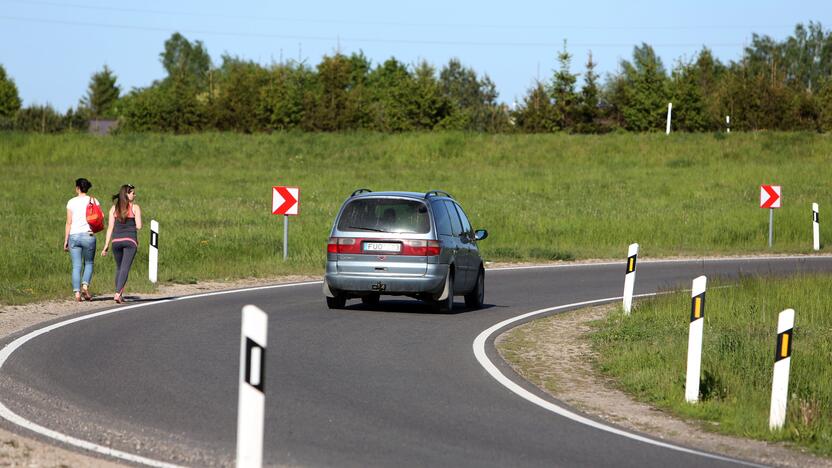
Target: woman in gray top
[122, 231]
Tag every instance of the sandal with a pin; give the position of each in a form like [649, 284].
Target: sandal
[86, 293]
[77, 297]
[117, 297]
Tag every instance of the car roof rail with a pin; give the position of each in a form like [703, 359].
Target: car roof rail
[359, 191]
[437, 193]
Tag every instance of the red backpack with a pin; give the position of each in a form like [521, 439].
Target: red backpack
[95, 217]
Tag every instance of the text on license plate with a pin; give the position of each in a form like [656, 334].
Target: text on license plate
[382, 247]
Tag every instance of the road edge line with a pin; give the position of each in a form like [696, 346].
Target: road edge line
[482, 357]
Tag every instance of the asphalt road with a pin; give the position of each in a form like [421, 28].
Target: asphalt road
[390, 385]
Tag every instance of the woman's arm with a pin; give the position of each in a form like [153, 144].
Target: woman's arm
[137, 212]
[110, 225]
[68, 227]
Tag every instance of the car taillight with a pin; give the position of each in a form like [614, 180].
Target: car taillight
[421, 248]
[343, 245]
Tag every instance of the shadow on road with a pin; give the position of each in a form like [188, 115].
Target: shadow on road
[402, 306]
[131, 299]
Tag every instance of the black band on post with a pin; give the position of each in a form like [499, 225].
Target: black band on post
[631, 264]
[250, 346]
[697, 307]
[784, 345]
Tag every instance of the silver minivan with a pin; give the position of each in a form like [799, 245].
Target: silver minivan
[412, 244]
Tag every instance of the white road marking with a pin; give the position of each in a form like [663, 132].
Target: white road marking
[485, 362]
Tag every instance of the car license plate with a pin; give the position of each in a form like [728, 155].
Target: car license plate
[382, 247]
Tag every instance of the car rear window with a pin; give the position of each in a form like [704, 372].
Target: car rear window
[385, 215]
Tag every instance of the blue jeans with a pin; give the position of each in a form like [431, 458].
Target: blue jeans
[82, 251]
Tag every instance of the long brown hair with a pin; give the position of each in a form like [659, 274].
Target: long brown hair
[122, 202]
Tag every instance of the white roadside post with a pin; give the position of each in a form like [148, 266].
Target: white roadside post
[815, 226]
[727, 124]
[630, 278]
[153, 253]
[697, 320]
[252, 399]
[669, 109]
[782, 361]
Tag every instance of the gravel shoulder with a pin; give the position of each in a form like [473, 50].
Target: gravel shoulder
[555, 354]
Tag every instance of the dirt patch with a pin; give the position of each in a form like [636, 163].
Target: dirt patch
[556, 355]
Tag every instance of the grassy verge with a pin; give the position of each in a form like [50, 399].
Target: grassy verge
[646, 354]
[542, 197]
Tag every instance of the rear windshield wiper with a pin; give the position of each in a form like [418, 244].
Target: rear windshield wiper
[364, 228]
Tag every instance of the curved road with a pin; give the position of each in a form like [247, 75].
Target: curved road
[383, 386]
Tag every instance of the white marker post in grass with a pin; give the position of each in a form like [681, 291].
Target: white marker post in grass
[727, 124]
[697, 320]
[153, 253]
[782, 361]
[669, 109]
[252, 399]
[815, 226]
[630, 278]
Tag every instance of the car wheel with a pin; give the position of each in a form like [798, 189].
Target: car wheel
[446, 306]
[475, 298]
[372, 299]
[337, 302]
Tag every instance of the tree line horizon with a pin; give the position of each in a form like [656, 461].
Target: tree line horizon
[775, 85]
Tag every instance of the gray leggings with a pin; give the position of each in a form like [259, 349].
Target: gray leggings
[123, 252]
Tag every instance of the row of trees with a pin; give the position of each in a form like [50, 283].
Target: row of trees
[776, 85]
[341, 93]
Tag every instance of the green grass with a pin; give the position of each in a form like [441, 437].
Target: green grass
[646, 354]
[542, 197]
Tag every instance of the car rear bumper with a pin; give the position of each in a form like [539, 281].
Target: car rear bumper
[432, 282]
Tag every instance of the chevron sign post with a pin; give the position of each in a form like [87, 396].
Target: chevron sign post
[286, 202]
[770, 198]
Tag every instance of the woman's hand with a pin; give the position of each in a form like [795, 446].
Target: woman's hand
[66, 246]
[104, 251]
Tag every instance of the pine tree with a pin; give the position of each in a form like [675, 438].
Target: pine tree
[563, 91]
[642, 91]
[102, 94]
[589, 113]
[430, 106]
[9, 99]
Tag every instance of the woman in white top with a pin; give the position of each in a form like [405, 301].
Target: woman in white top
[79, 240]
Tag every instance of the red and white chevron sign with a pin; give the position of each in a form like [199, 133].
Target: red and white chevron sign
[770, 196]
[285, 200]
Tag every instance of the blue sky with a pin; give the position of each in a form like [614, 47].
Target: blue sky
[52, 47]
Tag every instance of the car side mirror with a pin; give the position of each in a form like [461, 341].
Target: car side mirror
[480, 234]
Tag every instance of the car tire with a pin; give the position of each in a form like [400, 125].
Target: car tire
[446, 306]
[337, 302]
[475, 298]
[371, 300]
